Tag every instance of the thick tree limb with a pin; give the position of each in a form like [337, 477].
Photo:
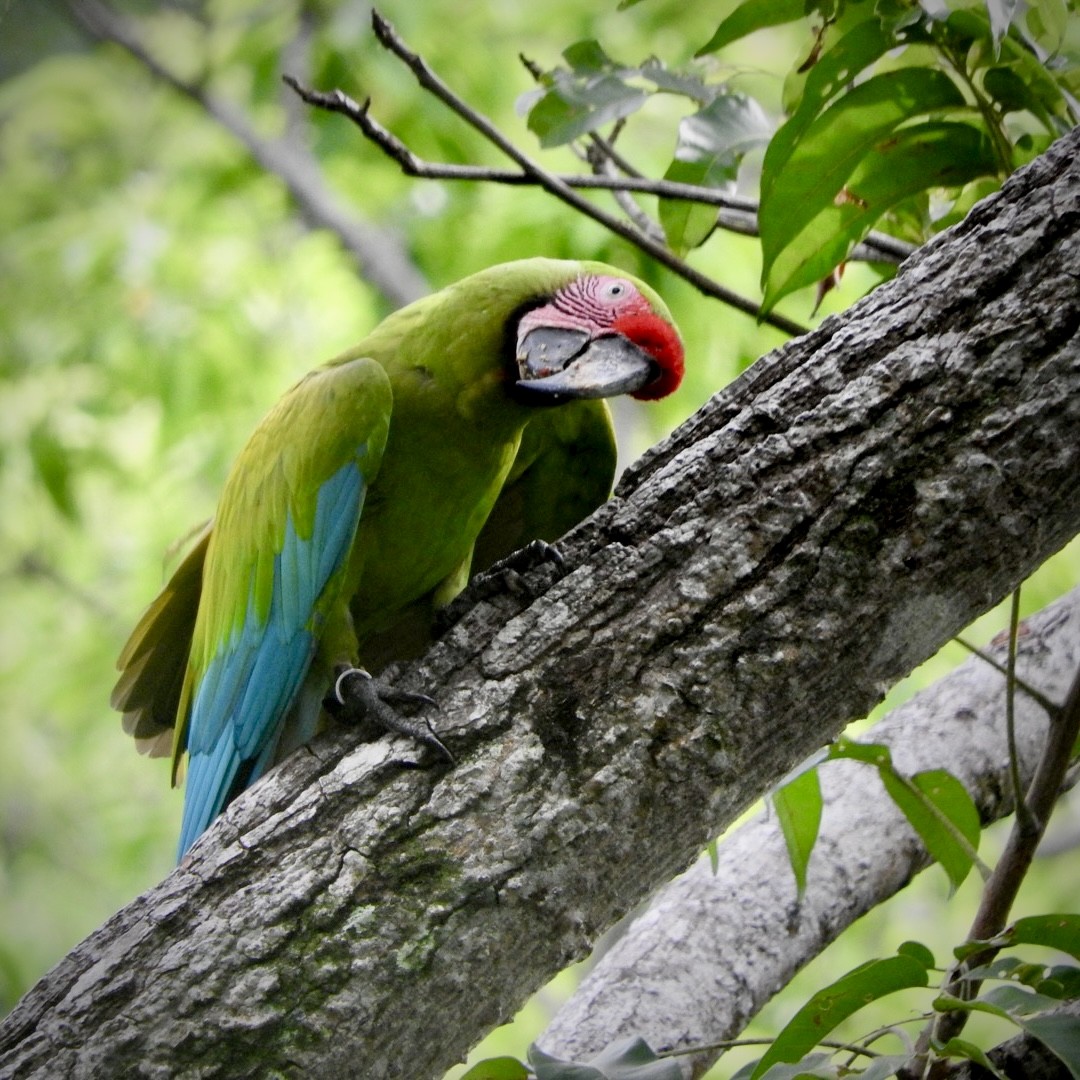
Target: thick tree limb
[379, 254]
[808, 537]
[715, 946]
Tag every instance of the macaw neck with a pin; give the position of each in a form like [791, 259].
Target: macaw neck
[455, 370]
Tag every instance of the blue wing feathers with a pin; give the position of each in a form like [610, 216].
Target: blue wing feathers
[241, 702]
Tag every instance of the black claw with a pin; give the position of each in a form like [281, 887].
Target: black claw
[357, 698]
[506, 575]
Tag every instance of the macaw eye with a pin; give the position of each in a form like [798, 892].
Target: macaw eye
[615, 290]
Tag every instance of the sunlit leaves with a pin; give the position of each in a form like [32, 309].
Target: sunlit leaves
[712, 142]
[935, 154]
[842, 160]
[940, 810]
[591, 92]
[857, 144]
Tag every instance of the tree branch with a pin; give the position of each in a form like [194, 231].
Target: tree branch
[1001, 890]
[736, 212]
[379, 254]
[815, 531]
[715, 944]
[339, 102]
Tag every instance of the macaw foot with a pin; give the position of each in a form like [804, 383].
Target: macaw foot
[357, 698]
[507, 572]
[506, 575]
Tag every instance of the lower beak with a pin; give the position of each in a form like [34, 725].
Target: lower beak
[561, 365]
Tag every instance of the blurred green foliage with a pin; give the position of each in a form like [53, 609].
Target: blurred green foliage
[158, 292]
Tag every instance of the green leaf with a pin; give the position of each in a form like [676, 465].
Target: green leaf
[1009, 91]
[817, 152]
[1049, 22]
[963, 1049]
[1019, 1001]
[52, 461]
[712, 143]
[800, 187]
[588, 56]
[951, 799]
[798, 809]
[1062, 1035]
[919, 951]
[500, 1068]
[834, 71]
[1061, 932]
[800, 251]
[1046, 99]
[870, 753]
[725, 129]
[572, 108]
[625, 1059]
[591, 93]
[1058, 931]
[750, 16]
[828, 1007]
[1067, 976]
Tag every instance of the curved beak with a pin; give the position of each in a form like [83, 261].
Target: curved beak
[558, 365]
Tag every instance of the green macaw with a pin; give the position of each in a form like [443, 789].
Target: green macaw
[367, 496]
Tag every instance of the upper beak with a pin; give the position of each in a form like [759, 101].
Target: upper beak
[558, 365]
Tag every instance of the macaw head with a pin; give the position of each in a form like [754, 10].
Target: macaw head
[596, 337]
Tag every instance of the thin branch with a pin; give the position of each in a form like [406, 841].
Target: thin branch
[32, 565]
[598, 159]
[1004, 884]
[1024, 819]
[379, 254]
[736, 213]
[1052, 709]
[337, 101]
[607, 148]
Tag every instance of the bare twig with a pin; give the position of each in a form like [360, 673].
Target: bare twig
[338, 101]
[598, 159]
[1052, 709]
[34, 566]
[736, 213]
[379, 254]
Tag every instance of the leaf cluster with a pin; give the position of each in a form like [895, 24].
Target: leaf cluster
[898, 116]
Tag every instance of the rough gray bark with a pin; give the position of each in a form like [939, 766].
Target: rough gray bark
[715, 946]
[817, 530]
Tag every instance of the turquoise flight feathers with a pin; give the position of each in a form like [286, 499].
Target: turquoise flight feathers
[464, 426]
